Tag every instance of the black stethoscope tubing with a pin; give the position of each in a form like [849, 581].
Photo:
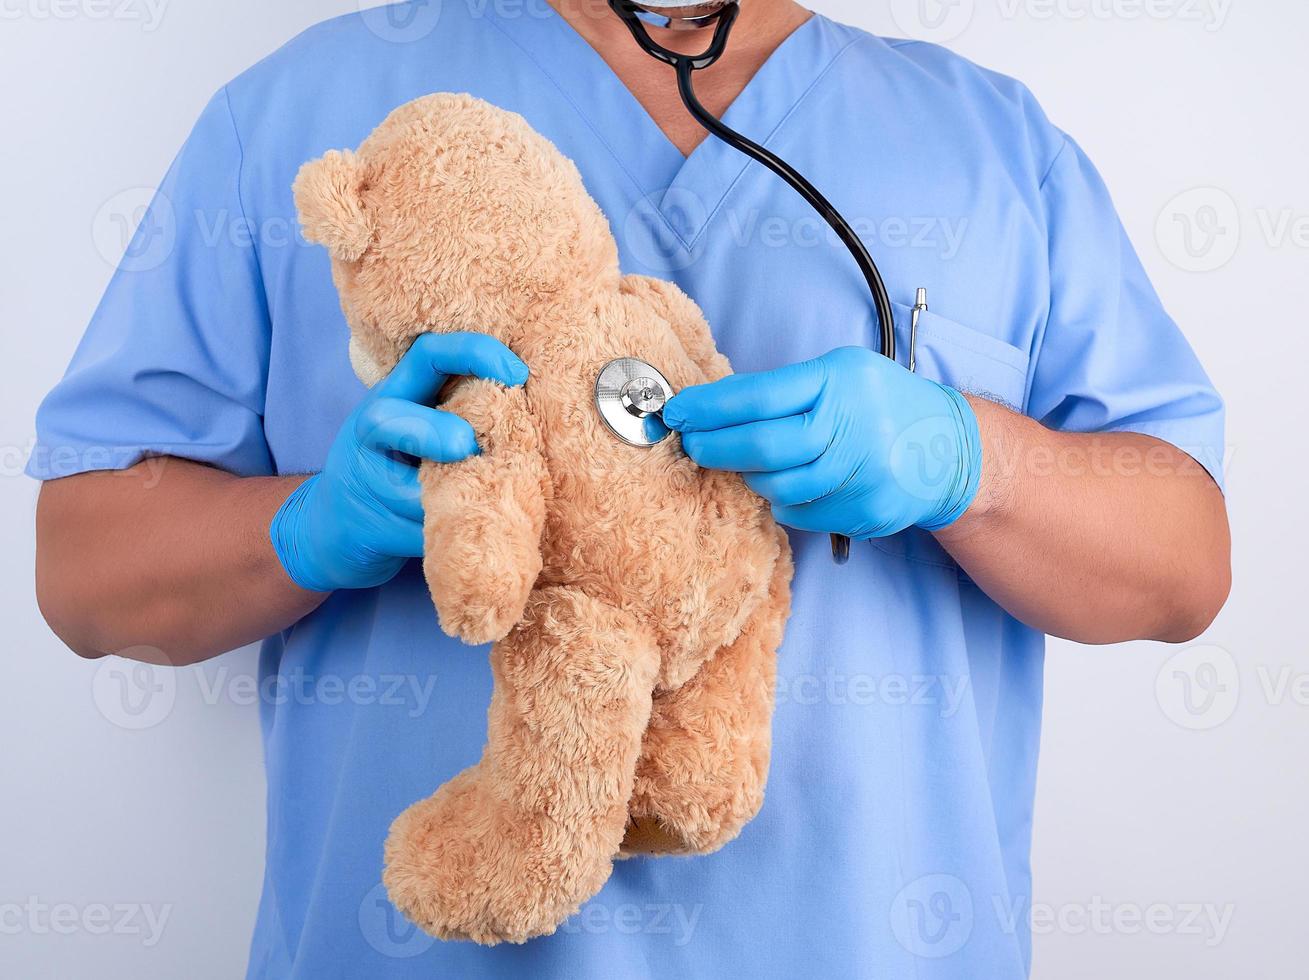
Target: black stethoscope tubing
[686, 67]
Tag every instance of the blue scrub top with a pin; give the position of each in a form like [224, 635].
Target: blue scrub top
[895, 838]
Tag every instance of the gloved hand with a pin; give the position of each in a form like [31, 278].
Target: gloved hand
[848, 443]
[355, 524]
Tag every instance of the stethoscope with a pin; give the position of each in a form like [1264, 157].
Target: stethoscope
[630, 393]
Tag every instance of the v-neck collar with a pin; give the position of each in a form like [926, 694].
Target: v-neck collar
[685, 191]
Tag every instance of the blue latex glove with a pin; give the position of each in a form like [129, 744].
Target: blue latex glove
[355, 524]
[849, 443]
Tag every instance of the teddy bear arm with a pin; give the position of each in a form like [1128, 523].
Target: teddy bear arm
[484, 516]
[686, 320]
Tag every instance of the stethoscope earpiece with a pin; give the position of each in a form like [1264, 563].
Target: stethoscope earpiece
[683, 16]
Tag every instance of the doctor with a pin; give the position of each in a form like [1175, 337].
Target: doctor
[1067, 478]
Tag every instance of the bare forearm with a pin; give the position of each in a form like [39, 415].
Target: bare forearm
[1098, 538]
[169, 561]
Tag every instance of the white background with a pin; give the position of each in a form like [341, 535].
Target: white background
[1173, 793]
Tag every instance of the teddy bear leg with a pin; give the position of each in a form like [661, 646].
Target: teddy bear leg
[704, 761]
[511, 847]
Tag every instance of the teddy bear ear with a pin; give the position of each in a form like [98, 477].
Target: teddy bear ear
[329, 197]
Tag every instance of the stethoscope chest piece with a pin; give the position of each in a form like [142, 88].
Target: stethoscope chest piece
[631, 395]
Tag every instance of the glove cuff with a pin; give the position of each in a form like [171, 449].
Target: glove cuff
[282, 533]
[962, 490]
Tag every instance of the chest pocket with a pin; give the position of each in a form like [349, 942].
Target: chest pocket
[966, 359]
[972, 362]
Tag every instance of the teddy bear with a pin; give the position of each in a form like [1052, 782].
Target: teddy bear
[635, 602]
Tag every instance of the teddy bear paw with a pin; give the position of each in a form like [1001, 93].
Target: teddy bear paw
[459, 866]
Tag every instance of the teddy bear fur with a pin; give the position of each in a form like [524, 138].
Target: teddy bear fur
[635, 601]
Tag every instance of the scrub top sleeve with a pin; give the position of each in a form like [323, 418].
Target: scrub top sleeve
[174, 361]
[1110, 359]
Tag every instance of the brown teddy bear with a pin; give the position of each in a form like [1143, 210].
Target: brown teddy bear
[636, 602]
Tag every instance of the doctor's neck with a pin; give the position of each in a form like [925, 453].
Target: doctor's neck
[762, 23]
[762, 27]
